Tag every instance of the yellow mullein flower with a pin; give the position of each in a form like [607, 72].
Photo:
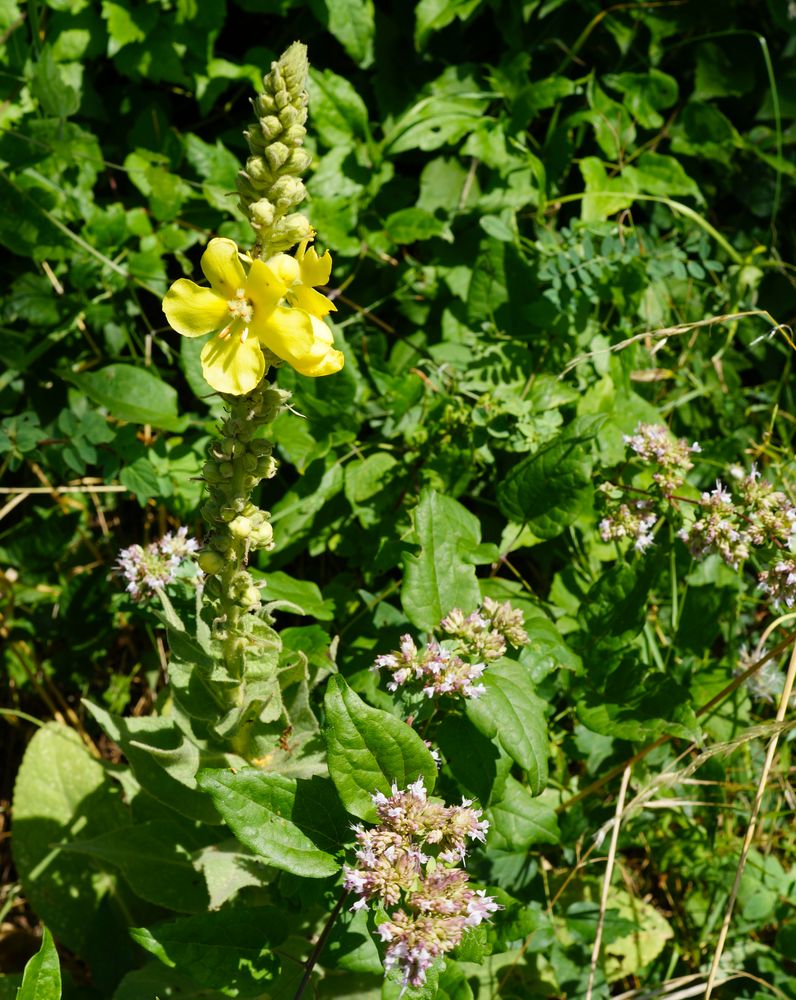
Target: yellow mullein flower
[243, 309]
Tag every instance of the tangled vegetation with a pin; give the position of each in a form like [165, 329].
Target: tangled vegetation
[397, 524]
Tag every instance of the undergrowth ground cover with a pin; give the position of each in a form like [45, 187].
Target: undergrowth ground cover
[429, 630]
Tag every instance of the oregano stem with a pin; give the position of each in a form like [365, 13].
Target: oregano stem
[320, 944]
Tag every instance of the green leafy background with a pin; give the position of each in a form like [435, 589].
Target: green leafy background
[550, 219]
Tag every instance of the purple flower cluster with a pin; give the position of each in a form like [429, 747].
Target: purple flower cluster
[779, 582]
[455, 665]
[630, 520]
[720, 530]
[654, 444]
[404, 864]
[148, 569]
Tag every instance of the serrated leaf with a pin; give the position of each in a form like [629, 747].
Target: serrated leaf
[440, 577]
[280, 819]
[42, 977]
[132, 394]
[551, 488]
[369, 749]
[229, 950]
[509, 711]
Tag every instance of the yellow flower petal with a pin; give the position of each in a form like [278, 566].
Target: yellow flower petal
[323, 359]
[285, 267]
[231, 366]
[286, 332]
[222, 267]
[264, 289]
[192, 310]
[315, 303]
[315, 270]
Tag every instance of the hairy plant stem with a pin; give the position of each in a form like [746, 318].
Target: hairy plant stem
[236, 465]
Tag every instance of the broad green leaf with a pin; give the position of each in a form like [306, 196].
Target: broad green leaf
[604, 196]
[369, 750]
[163, 760]
[50, 88]
[338, 112]
[441, 576]
[519, 820]
[615, 607]
[654, 173]
[229, 950]
[280, 819]
[510, 712]
[434, 15]
[280, 588]
[551, 488]
[645, 94]
[352, 22]
[156, 862]
[395, 988]
[631, 704]
[373, 487]
[42, 976]
[156, 981]
[132, 394]
[410, 225]
[63, 793]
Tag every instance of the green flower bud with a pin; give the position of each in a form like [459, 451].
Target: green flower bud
[266, 467]
[276, 154]
[210, 562]
[294, 135]
[258, 171]
[270, 126]
[226, 469]
[290, 230]
[251, 597]
[286, 192]
[262, 214]
[262, 537]
[210, 472]
[240, 527]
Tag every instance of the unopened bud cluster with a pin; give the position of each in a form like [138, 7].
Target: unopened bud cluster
[733, 522]
[406, 865]
[235, 466]
[148, 569]
[270, 186]
[455, 665]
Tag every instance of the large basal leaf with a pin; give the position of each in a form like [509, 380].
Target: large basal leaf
[132, 394]
[551, 488]
[369, 749]
[282, 820]
[509, 711]
[155, 861]
[229, 950]
[62, 792]
[42, 977]
[441, 576]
